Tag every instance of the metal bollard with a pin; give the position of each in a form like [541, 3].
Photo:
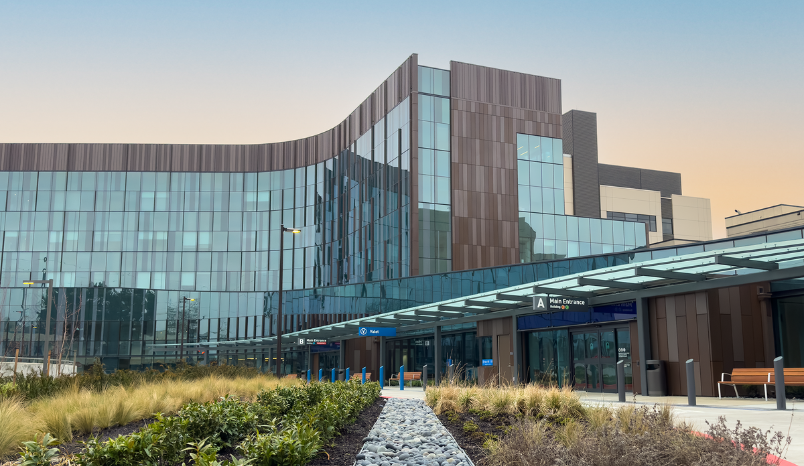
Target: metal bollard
[308, 375]
[364, 376]
[424, 377]
[333, 375]
[347, 375]
[691, 382]
[320, 374]
[451, 373]
[778, 374]
[401, 377]
[621, 381]
[382, 377]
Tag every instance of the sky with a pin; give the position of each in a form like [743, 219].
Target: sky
[713, 90]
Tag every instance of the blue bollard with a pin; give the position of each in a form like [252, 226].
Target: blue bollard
[308, 375]
[364, 376]
[333, 375]
[401, 377]
[320, 374]
[382, 377]
[347, 375]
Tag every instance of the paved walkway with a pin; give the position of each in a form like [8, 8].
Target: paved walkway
[415, 393]
[753, 412]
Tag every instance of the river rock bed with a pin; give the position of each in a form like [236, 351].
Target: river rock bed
[408, 433]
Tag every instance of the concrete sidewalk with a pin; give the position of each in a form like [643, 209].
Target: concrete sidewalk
[415, 393]
[751, 412]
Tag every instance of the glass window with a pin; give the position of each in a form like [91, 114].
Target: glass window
[535, 148]
[547, 151]
[535, 173]
[522, 144]
[548, 203]
[547, 175]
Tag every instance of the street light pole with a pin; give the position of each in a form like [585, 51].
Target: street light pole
[183, 306]
[46, 362]
[279, 312]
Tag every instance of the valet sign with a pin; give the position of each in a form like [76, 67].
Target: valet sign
[543, 303]
[377, 332]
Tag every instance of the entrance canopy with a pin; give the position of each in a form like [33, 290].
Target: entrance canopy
[658, 277]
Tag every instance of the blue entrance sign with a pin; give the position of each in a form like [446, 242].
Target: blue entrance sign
[377, 332]
[488, 362]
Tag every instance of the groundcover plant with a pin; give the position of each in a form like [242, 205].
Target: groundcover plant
[533, 425]
[258, 418]
[284, 426]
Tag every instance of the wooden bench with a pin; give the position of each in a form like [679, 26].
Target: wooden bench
[408, 376]
[359, 376]
[292, 376]
[793, 377]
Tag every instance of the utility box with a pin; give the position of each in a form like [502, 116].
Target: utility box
[657, 377]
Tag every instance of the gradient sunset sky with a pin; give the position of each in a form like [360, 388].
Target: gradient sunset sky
[714, 90]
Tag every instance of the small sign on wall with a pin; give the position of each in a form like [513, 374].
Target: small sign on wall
[487, 362]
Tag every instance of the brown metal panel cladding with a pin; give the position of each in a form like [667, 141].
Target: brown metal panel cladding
[692, 328]
[660, 308]
[674, 379]
[662, 334]
[97, 157]
[724, 305]
[254, 158]
[734, 300]
[701, 303]
[726, 339]
[681, 305]
[715, 336]
[683, 351]
[736, 325]
[672, 330]
[704, 347]
[148, 157]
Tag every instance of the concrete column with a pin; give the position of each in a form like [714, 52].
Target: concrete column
[517, 349]
[342, 355]
[643, 328]
[437, 351]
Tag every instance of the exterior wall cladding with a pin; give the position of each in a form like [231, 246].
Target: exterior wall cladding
[127, 230]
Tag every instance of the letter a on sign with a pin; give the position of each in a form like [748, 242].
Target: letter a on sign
[540, 303]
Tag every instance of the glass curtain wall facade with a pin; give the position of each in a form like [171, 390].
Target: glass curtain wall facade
[435, 232]
[544, 231]
[213, 237]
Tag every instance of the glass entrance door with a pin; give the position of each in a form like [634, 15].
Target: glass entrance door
[594, 358]
[586, 360]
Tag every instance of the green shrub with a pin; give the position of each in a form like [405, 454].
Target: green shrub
[295, 445]
[286, 426]
[37, 453]
[223, 422]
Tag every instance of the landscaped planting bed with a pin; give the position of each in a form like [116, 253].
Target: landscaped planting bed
[286, 425]
[531, 425]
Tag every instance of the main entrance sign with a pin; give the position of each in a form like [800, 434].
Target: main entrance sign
[377, 332]
[542, 303]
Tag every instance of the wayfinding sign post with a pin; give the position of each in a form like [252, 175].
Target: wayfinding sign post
[545, 303]
[377, 331]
